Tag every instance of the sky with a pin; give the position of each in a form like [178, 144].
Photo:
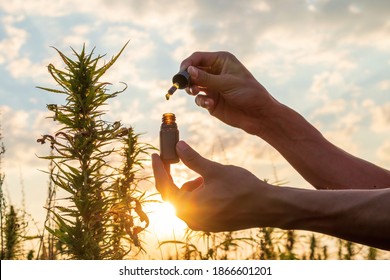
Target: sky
[328, 60]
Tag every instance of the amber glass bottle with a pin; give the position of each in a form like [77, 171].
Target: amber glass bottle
[169, 136]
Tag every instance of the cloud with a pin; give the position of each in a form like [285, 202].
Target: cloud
[333, 106]
[344, 140]
[383, 85]
[24, 68]
[15, 38]
[131, 66]
[78, 35]
[128, 114]
[282, 35]
[330, 84]
[350, 122]
[380, 117]
[383, 154]
[21, 128]
[36, 7]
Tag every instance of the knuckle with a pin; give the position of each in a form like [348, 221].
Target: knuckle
[203, 78]
[196, 54]
[225, 53]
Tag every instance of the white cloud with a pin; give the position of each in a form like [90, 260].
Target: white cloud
[128, 114]
[324, 80]
[78, 35]
[354, 9]
[368, 103]
[37, 7]
[333, 106]
[383, 85]
[383, 154]
[15, 38]
[329, 84]
[21, 129]
[23, 67]
[141, 43]
[349, 123]
[135, 59]
[343, 139]
[261, 6]
[380, 117]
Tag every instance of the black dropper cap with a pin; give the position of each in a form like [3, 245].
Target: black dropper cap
[180, 81]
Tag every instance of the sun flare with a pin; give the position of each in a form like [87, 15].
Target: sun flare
[164, 222]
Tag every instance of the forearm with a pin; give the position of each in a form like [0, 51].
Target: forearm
[356, 215]
[321, 163]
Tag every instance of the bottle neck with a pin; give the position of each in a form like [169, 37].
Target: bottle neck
[167, 126]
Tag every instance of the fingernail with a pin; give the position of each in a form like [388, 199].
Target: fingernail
[207, 104]
[193, 72]
[182, 146]
[154, 156]
[197, 101]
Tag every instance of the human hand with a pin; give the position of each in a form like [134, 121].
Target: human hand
[224, 198]
[232, 94]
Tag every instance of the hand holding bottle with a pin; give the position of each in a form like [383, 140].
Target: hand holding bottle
[224, 198]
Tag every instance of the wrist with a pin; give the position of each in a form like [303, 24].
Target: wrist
[267, 117]
[273, 206]
[290, 208]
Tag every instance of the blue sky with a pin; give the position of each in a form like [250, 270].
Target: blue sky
[328, 60]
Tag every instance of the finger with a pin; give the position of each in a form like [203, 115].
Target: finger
[205, 102]
[167, 167]
[192, 185]
[193, 90]
[200, 59]
[204, 79]
[164, 183]
[195, 161]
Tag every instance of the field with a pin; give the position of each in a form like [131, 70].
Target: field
[97, 207]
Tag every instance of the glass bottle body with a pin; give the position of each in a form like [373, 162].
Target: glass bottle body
[169, 136]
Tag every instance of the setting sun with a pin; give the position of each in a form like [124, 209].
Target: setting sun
[163, 221]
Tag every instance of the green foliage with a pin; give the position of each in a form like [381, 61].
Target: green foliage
[2, 175]
[372, 253]
[2, 198]
[289, 254]
[268, 244]
[266, 239]
[102, 216]
[12, 235]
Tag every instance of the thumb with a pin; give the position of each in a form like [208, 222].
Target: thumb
[193, 160]
[203, 79]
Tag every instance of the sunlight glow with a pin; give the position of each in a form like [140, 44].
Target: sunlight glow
[163, 221]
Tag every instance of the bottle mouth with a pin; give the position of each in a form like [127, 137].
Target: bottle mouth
[168, 118]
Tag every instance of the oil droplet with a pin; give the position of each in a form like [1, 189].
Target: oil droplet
[171, 91]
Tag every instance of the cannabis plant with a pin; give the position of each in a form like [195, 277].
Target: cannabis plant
[12, 235]
[12, 224]
[2, 198]
[2, 152]
[102, 215]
